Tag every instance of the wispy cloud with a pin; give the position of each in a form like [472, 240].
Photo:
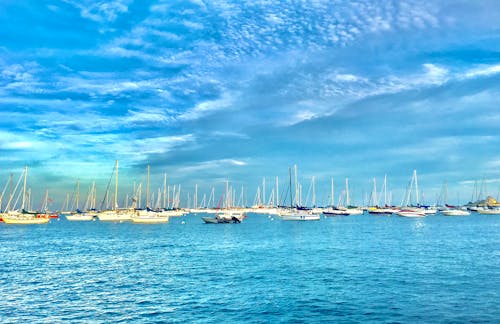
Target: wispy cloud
[206, 108]
[103, 11]
[212, 164]
[482, 71]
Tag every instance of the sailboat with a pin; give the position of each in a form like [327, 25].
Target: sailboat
[115, 215]
[148, 216]
[340, 210]
[89, 213]
[386, 210]
[22, 217]
[293, 213]
[407, 211]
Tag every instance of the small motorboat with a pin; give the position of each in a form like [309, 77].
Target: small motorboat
[221, 220]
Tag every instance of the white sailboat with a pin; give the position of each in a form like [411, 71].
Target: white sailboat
[115, 215]
[412, 212]
[149, 216]
[86, 215]
[294, 214]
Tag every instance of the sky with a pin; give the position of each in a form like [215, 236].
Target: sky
[209, 91]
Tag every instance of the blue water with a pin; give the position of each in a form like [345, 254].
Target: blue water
[344, 269]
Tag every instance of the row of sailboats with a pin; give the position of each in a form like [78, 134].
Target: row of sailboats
[158, 215]
[116, 214]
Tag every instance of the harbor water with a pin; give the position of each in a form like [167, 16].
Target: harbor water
[339, 269]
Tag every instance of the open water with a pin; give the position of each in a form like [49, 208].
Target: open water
[343, 269]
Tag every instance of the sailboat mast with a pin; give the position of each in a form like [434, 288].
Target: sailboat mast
[385, 190]
[164, 190]
[24, 186]
[347, 198]
[116, 187]
[77, 193]
[332, 194]
[227, 193]
[291, 198]
[416, 187]
[147, 190]
[195, 200]
[10, 193]
[445, 193]
[263, 190]
[277, 196]
[314, 193]
[296, 186]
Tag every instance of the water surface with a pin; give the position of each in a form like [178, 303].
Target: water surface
[340, 269]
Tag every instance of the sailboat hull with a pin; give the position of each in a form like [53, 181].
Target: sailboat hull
[299, 217]
[80, 217]
[150, 219]
[24, 220]
[114, 217]
[411, 214]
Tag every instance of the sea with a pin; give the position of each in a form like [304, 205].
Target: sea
[355, 269]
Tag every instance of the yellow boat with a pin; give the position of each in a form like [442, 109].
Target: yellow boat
[23, 219]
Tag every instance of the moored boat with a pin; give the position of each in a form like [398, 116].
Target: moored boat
[455, 212]
[489, 211]
[410, 213]
[23, 218]
[297, 215]
[148, 216]
[87, 216]
[115, 216]
[220, 220]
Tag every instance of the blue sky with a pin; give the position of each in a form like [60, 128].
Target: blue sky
[213, 90]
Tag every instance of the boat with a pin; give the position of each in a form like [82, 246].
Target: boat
[455, 212]
[382, 211]
[489, 211]
[228, 214]
[335, 211]
[149, 218]
[115, 215]
[340, 210]
[293, 213]
[148, 215]
[81, 216]
[221, 220]
[298, 215]
[411, 213]
[21, 218]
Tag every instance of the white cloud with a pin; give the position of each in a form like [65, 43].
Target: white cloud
[192, 25]
[347, 78]
[481, 71]
[206, 108]
[212, 164]
[300, 116]
[147, 115]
